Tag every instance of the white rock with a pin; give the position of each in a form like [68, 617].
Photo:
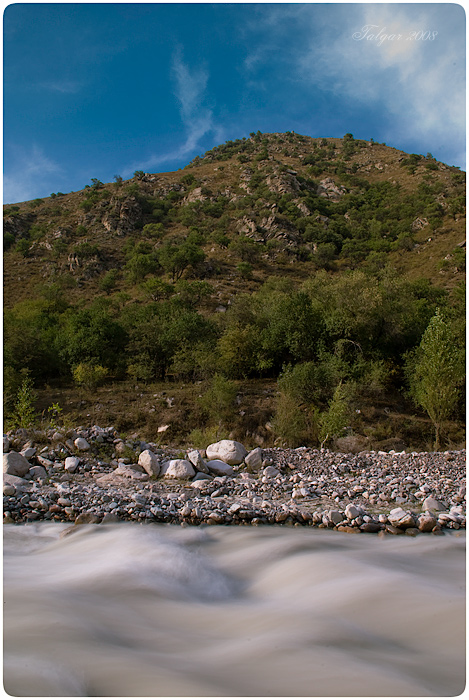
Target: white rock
[202, 476]
[28, 452]
[46, 463]
[351, 511]
[431, 503]
[335, 516]
[179, 469]
[150, 462]
[254, 458]
[196, 459]
[228, 451]
[217, 466]
[271, 472]
[71, 464]
[9, 490]
[38, 473]
[16, 481]
[15, 464]
[82, 444]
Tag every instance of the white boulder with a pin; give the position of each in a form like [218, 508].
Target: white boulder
[82, 444]
[28, 452]
[431, 503]
[254, 458]
[71, 464]
[197, 460]
[351, 511]
[179, 469]
[38, 473]
[15, 464]
[220, 468]
[228, 451]
[150, 462]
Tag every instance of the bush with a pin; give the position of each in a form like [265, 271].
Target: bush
[24, 414]
[219, 401]
[89, 375]
[294, 425]
[333, 422]
[244, 269]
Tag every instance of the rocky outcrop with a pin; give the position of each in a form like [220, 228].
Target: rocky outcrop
[121, 216]
[327, 188]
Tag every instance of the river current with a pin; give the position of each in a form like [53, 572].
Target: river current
[132, 610]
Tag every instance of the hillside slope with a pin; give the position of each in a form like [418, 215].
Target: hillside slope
[190, 275]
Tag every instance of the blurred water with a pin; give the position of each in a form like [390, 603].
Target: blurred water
[133, 610]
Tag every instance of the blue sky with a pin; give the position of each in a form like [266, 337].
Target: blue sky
[97, 90]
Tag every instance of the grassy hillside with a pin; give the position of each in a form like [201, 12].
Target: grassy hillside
[271, 255]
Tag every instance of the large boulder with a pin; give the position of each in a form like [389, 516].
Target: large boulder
[254, 458]
[401, 518]
[220, 468]
[16, 481]
[179, 469]
[82, 444]
[15, 464]
[431, 503]
[228, 451]
[150, 462]
[196, 459]
[71, 464]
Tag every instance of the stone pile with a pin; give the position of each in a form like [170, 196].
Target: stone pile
[94, 475]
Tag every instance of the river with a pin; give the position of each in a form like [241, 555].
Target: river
[132, 610]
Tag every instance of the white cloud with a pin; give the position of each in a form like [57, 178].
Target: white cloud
[420, 82]
[63, 86]
[190, 90]
[31, 175]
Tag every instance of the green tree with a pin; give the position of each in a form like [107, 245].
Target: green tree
[436, 373]
[175, 259]
[333, 422]
[24, 414]
[89, 375]
[219, 401]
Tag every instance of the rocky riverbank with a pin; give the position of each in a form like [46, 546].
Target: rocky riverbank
[93, 475]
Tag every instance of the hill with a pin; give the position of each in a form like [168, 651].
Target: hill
[264, 258]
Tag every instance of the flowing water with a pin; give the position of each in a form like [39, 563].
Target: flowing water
[133, 610]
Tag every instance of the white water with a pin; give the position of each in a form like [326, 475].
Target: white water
[128, 610]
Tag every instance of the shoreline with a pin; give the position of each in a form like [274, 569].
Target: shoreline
[66, 477]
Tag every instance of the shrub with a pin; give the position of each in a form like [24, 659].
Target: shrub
[244, 269]
[295, 425]
[218, 402]
[333, 422]
[89, 375]
[24, 414]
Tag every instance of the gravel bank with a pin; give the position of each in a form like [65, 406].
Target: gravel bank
[94, 475]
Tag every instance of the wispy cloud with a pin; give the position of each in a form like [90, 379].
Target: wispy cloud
[32, 174]
[416, 84]
[63, 86]
[420, 83]
[190, 86]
